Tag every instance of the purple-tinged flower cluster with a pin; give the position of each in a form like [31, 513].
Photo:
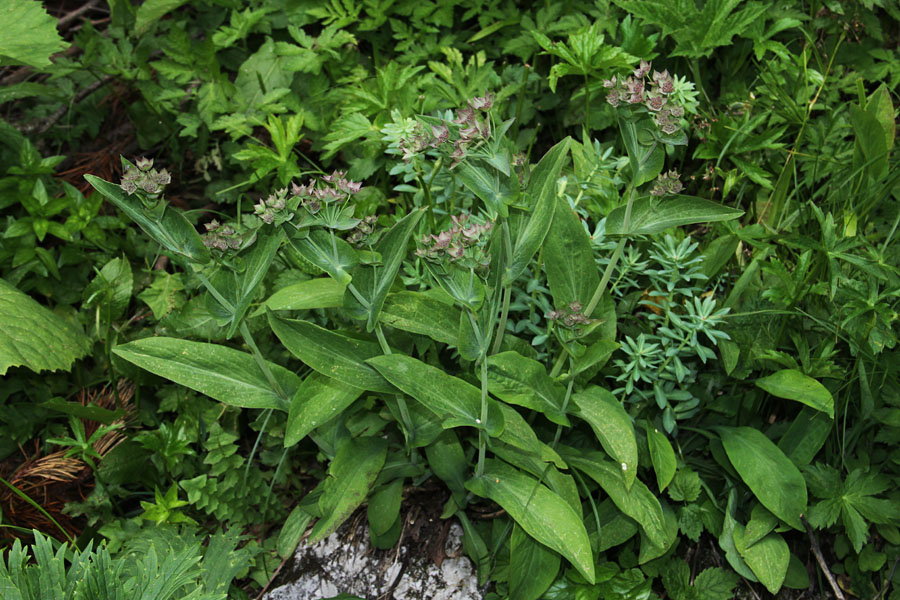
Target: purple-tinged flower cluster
[221, 237]
[462, 241]
[363, 230]
[145, 178]
[272, 207]
[571, 316]
[666, 183]
[472, 130]
[313, 197]
[655, 94]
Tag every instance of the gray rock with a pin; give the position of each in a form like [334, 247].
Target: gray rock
[346, 564]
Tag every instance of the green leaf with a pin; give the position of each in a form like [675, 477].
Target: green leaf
[768, 558]
[542, 198]
[715, 584]
[225, 374]
[522, 381]
[292, 531]
[317, 400]
[110, 290]
[331, 353]
[661, 455]
[484, 184]
[447, 460]
[350, 475]
[34, 337]
[322, 292]
[762, 522]
[519, 434]
[769, 474]
[612, 426]
[333, 255]
[650, 549]
[450, 398]
[420, 313]
[806, 436]
[685, 486]
[794, 385]
[652, 215]
[638, 502]
[163, 295]
[384, 507]
[29, 36]
[374, 283]
[171, 230]
[152, 11]
[532, 566]
[647, 160]
[542, 514]
[573, 276]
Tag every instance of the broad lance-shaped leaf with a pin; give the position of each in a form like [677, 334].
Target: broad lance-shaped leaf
[567, 247]
[33, 336]
[541, 196]
[532, 566]
[350, 475]
[639, 502]
[768, 558]
[612, 426]
[523, 381]
[647, 159]
[542, 514]
[318, 400]
[171, 230]
[374, 282]
[662, 455]
[225, 374]
[321, 292]
[769, 474]
[794, 385]
[450, 398]
[652, 215]
[417, 312]
[331, 353]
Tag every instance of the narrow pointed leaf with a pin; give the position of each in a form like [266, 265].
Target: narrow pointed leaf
[541, 197]
[172, 230]
[567, 247]
[321, 292]
[532, 566]
[662, 455]
[519, 380]
[225, 374]
[331, 353]
[450, 398]
[652, 215]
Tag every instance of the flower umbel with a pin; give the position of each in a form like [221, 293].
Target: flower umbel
[462, 243]
[143, 177]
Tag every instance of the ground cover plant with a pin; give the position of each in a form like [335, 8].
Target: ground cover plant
[621, 275]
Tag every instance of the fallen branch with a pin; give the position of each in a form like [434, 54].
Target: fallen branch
[821, 560]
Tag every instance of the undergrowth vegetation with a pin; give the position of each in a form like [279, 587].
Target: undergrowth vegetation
[622, 274]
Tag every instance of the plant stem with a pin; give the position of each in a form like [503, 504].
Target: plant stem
[261, 362]
[482, 434]
[507, 291]
[565, 405]
[617, 254]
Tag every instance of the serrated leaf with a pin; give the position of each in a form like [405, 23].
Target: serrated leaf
[225, 374]
[30, 36]
[152, 11]
[715, 584]
[542, 514]
[163, 294]
[794, 385]
[33, 336]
